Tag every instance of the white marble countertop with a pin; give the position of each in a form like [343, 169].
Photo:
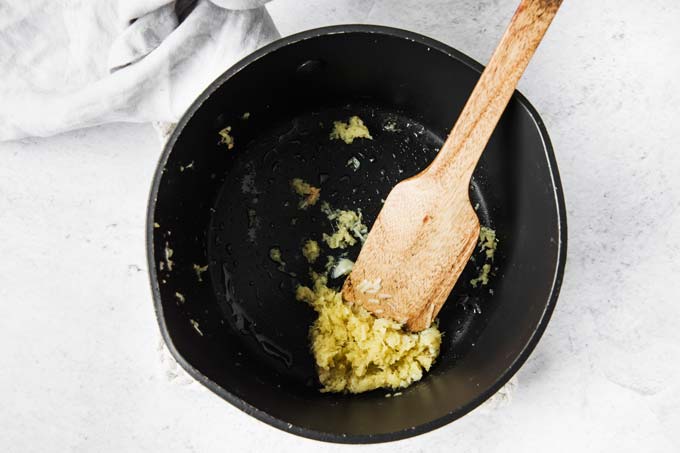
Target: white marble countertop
[83, 369]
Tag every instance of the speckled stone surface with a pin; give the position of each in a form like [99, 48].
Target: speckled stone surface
[83, 369]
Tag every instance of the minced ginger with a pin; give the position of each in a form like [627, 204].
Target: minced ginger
[349, 227]
[310, 194]
[226, 138]
[487, 244]
[483, 277]
[311, 250]
[347, 132]
[488, 241]
[356, 352]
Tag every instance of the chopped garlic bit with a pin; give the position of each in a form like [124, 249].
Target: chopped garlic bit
[354, 163]
[391, 126]
[245, 116]
[310, 194]
[156, 225]
[226, 138]
[196, 327]
[343, 267]
[168, 254]
[370, 287]
[180, 297]
[199, 271]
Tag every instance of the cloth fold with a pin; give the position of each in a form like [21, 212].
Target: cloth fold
[72, 64]
[142, 36]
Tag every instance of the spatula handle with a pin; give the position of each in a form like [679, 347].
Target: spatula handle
[458, 157]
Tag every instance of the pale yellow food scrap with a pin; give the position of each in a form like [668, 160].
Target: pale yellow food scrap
[199, 270]
[330, 263]
[311, 250]
[180, 297]
[339, 240]
[226, 138]
[347, 132]
[349, 227]
[370, 286]
[488, 241]
[310, 194]
[196, 327]
[483, 277]
[353, 163]
[343, 267]
[275, 256]
[168, 254]
[391, 126]
[245, 116]
[252, 218]
[356, 352]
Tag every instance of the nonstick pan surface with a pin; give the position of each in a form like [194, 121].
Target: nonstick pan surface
[237, 327]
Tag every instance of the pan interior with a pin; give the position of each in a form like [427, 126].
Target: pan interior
[257, 211]
[227, 310]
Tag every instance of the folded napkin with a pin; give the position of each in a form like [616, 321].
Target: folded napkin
[76, 63]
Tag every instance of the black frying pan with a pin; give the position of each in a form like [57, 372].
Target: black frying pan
[239, 330]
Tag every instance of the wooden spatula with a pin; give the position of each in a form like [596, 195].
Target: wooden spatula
[427, 228]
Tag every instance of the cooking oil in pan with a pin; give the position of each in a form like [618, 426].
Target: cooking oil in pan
[246, 326]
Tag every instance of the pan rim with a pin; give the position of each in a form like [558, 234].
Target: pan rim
[357, 438]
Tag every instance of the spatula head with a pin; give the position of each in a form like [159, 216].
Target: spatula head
[416, 250]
